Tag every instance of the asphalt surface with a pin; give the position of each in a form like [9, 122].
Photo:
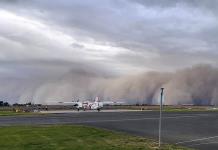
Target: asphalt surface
[192, 129]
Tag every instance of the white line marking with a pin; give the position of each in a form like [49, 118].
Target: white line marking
[120, 120]
[207, 138]
[89, 111]
[204, 143]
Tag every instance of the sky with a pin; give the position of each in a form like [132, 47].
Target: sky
[43, 40]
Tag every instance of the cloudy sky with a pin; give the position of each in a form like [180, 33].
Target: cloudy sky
[43, 38]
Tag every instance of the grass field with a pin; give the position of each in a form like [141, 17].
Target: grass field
[69, 137]
[188, 109]
[167, 108]
[11, 113]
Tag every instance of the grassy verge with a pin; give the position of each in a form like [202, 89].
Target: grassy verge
[11, 113]
[68, 137]
[189, 109]
[166, 108]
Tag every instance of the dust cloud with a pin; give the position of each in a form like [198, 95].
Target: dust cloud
[195, 85]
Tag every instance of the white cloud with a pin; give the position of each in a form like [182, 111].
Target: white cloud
[28, 38]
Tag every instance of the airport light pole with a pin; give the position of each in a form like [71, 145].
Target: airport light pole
[160, 119]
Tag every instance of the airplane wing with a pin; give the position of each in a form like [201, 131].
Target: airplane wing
[52, 102]
[58, 102]
[73, 103]
[112, 103]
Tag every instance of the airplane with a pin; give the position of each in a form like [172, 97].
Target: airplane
[87, 105]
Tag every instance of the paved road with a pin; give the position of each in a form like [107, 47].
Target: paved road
[193, 129]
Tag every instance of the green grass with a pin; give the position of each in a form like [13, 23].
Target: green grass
[69, 137]
[168, 108]
[11, 113]
[190, 109]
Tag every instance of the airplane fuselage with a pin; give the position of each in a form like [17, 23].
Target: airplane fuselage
[89, 105]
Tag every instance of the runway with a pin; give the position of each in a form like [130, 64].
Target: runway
[192, 129]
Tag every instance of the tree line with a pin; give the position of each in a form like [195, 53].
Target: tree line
[2, 103]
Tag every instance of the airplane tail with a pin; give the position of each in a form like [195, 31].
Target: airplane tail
[96, 99]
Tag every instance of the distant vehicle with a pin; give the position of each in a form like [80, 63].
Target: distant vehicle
[88, 105]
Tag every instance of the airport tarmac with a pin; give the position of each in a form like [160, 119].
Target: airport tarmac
[192, 129]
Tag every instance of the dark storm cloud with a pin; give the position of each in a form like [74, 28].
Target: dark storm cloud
[46, 40]
[149, 25]
[161, 27]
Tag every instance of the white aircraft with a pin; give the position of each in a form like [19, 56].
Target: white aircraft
[87, 105]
